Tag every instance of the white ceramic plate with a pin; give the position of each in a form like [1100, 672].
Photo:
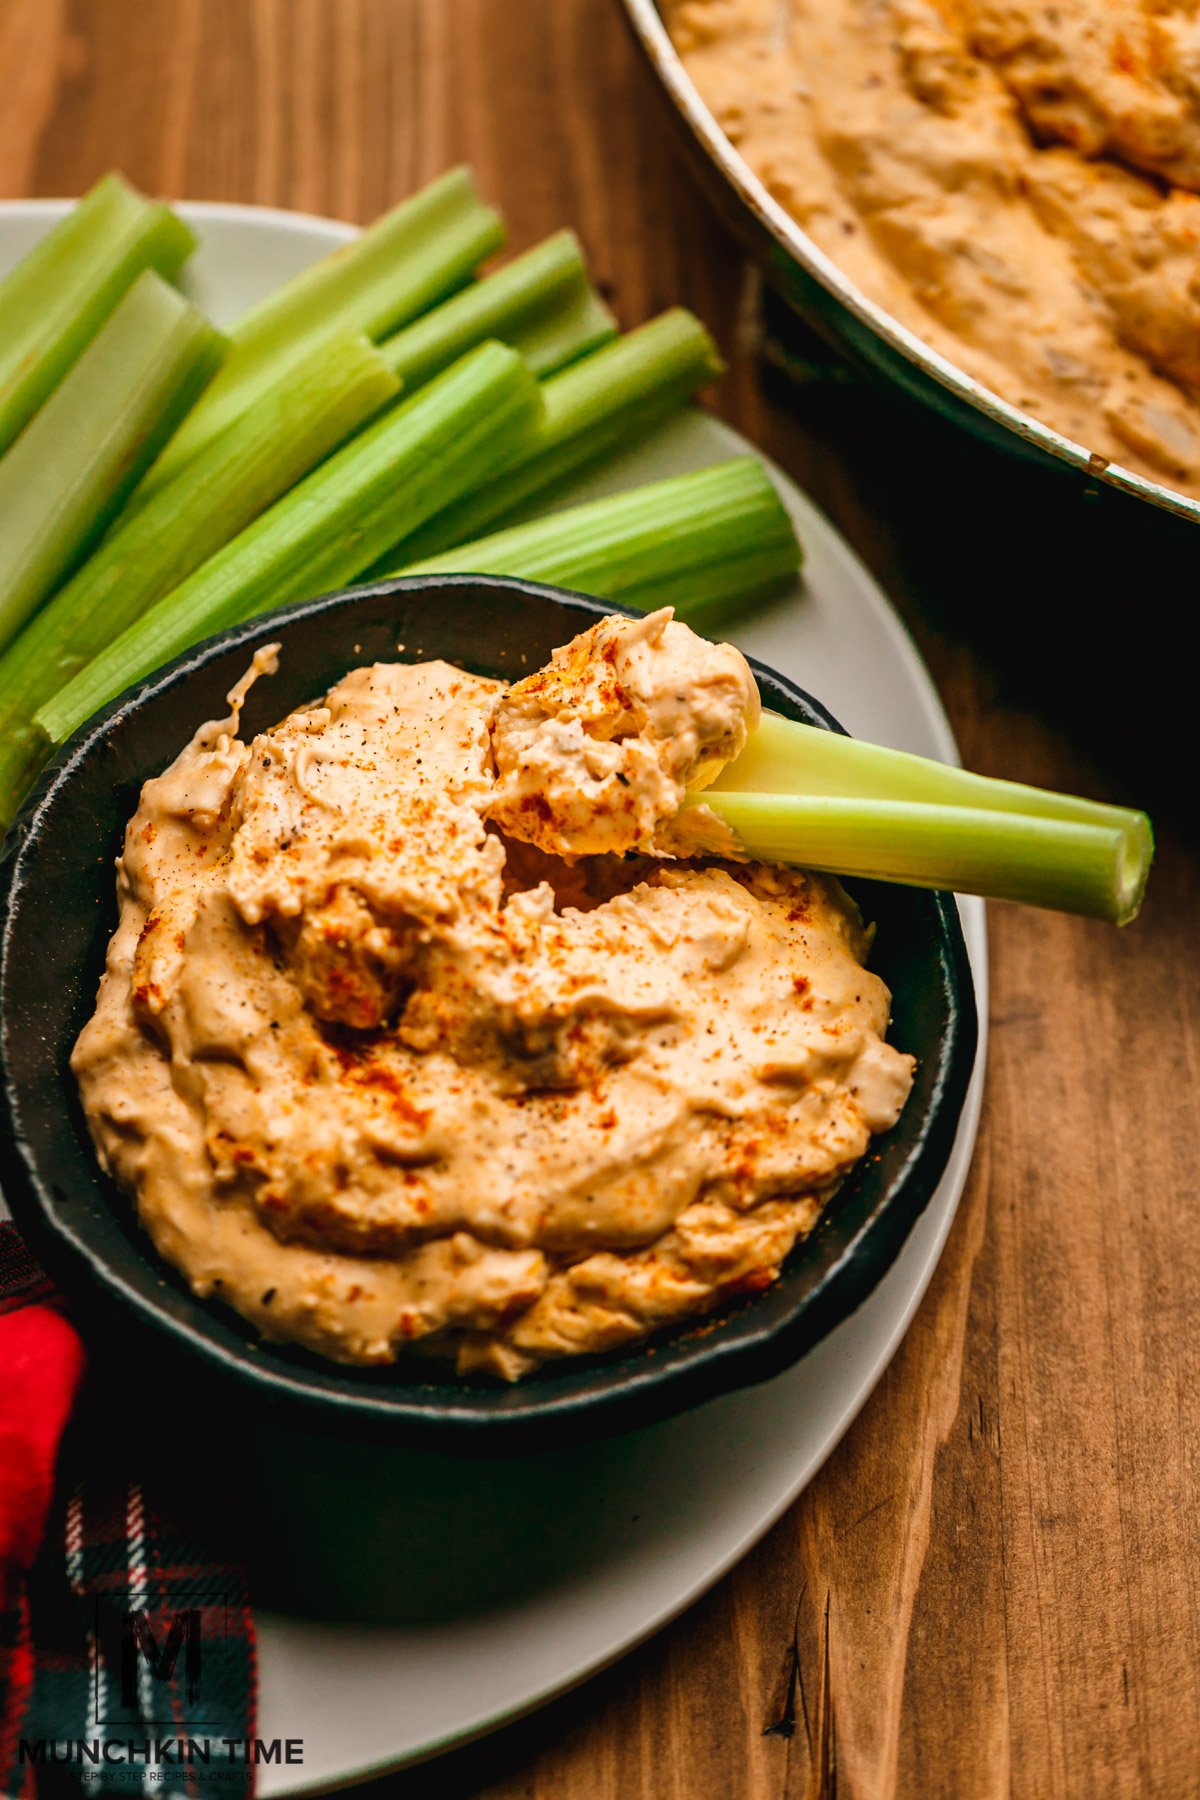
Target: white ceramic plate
[409, 1601]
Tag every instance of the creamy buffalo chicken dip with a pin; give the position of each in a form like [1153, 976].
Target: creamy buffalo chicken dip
[412, 1035]
[1017, 181]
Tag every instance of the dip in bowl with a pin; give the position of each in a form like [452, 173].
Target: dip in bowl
[571, 1375]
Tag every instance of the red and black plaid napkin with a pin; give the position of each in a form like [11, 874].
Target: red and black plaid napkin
[127, 1655]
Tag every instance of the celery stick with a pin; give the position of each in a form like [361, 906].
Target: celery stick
[55, 300]
[627, 386]
[1097, 869]
[713, 595]
[541, 304]
[577, 327]
[786, 757]
[719, 534]
[407, 261]
[329, 528]
[298, 422]
[69, 471]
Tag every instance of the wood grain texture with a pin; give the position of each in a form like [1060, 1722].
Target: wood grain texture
[992, 1587]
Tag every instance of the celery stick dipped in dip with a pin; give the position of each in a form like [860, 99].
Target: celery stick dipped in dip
[411, 1035]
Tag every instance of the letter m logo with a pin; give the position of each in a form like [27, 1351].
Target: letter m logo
[138, 1639]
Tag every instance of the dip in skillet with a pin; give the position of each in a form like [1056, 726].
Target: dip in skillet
[1016, 181]
[412, 1033]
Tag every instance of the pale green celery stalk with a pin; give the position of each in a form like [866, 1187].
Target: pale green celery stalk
[786, 757]
[540, 303]
[1097, 869]
[713, 596]
[72, 467]
[299, 421]
[710, 577]
[404, 263]
[55, 300]
[573, 330]
[719, 534]
[417, 457]
[624, 387]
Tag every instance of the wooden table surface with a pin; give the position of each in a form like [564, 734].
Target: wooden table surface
[991, 1588]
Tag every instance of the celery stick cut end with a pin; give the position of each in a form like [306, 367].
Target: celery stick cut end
[1132, 870]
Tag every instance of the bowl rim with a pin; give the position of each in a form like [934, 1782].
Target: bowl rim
[650, 29]
[645, 1391]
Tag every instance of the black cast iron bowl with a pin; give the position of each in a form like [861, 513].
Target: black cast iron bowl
[58, 909]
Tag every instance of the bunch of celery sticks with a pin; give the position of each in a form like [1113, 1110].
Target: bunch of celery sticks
[384, 411]
[391, 410]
